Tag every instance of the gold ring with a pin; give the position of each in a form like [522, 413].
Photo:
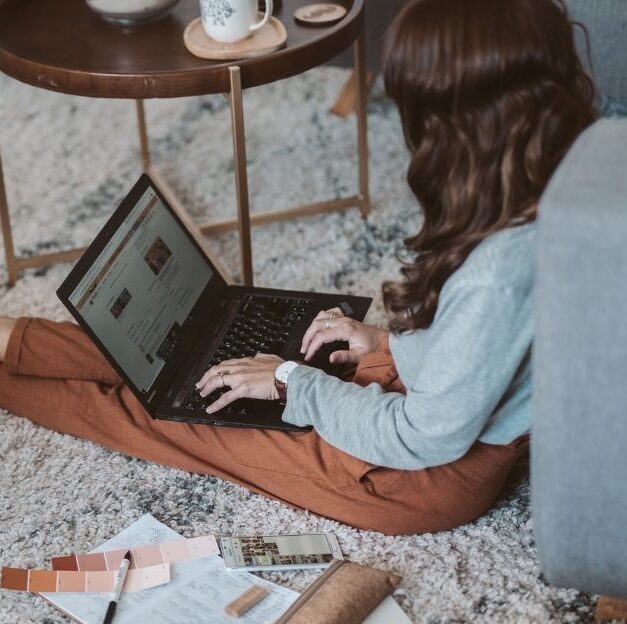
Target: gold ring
[222, 373]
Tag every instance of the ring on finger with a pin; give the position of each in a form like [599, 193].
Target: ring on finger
[222, 373]
[327, 323]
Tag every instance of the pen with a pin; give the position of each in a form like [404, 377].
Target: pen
[117, 590]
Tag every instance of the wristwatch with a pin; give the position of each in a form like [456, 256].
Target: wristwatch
[281, 374]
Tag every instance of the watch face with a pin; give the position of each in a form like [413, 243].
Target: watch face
[283, 371]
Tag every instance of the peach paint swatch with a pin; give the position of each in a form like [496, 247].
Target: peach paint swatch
[20, 579]
[141, 556]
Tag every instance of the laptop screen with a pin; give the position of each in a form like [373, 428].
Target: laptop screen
[141, 289]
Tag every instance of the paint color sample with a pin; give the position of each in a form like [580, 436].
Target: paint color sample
[200, 547]
[175, 551]
[42, 581]
[98, 582]
[65, 563]
[71, 582]
[141, 556]
[63, 581]
[142, 578]
[147, 556]
[91, 562]
[113, 558]
[14, 578]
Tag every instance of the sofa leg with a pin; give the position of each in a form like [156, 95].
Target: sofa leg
[346, 101]
[609, 609]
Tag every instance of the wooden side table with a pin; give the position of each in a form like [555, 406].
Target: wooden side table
[150, 61]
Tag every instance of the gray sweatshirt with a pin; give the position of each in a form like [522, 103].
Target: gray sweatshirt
[468, 376]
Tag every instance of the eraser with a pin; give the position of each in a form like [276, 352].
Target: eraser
[246, 601]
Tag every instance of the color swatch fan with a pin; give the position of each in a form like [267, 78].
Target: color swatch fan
[172, 580]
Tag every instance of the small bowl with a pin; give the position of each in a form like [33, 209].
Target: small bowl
[131, 12]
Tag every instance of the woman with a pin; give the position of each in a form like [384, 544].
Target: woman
[491, 95]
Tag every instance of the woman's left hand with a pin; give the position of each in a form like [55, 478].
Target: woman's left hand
[249, 378]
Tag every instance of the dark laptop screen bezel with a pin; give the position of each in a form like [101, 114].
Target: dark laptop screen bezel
[207, 303]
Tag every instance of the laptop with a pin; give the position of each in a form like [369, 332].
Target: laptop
[162, 314]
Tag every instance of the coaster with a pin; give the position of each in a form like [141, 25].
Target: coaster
[319, 14]
[271, 37]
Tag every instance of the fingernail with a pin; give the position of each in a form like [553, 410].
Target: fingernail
[198, 385]
[210, 409]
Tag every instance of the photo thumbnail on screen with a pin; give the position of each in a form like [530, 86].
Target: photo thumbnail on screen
[157, 256]
[119, 305]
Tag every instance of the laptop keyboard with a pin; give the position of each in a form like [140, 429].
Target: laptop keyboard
[262, 324]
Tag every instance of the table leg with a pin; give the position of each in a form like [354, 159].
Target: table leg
[143, 134]
[346, 101]
[361, 74]
[169, 193]
[241, 174]
[7, 234]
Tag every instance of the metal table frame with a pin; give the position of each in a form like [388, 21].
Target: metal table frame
[244, 219]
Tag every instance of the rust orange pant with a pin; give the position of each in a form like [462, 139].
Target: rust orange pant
[55, 376]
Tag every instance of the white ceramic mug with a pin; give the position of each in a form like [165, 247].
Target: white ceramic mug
[229, 21]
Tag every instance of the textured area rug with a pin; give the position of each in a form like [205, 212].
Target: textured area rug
[67, 162]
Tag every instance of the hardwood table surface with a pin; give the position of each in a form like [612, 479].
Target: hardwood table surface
[62, 45]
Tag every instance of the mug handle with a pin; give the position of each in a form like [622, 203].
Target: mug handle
[266, 17]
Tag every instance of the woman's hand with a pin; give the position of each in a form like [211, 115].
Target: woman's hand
[331, 326]
[249, 378]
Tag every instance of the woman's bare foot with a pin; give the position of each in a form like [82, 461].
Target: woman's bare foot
[6, 327]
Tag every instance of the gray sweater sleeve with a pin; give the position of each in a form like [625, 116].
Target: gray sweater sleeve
[455, 373]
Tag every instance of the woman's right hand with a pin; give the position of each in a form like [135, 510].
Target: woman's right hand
[332, 326]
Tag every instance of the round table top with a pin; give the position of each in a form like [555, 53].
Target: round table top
[62, 45]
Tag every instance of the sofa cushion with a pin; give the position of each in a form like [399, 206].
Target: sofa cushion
[606, 23]
[579, 439]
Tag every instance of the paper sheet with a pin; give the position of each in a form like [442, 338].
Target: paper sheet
[388, 612]
[199, 589]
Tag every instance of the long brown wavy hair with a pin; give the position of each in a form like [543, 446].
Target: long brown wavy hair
[491, 95]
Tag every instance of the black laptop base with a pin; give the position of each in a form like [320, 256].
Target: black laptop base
[255, 320]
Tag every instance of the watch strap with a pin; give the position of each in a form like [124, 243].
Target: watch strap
[281, 389]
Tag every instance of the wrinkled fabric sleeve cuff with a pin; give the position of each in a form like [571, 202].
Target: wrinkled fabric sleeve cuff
[299, 378]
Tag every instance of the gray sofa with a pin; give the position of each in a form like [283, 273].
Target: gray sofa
[579, 438]
[606, 23]
[579, 434]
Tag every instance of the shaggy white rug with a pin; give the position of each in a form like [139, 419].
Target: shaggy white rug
[67, 162]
